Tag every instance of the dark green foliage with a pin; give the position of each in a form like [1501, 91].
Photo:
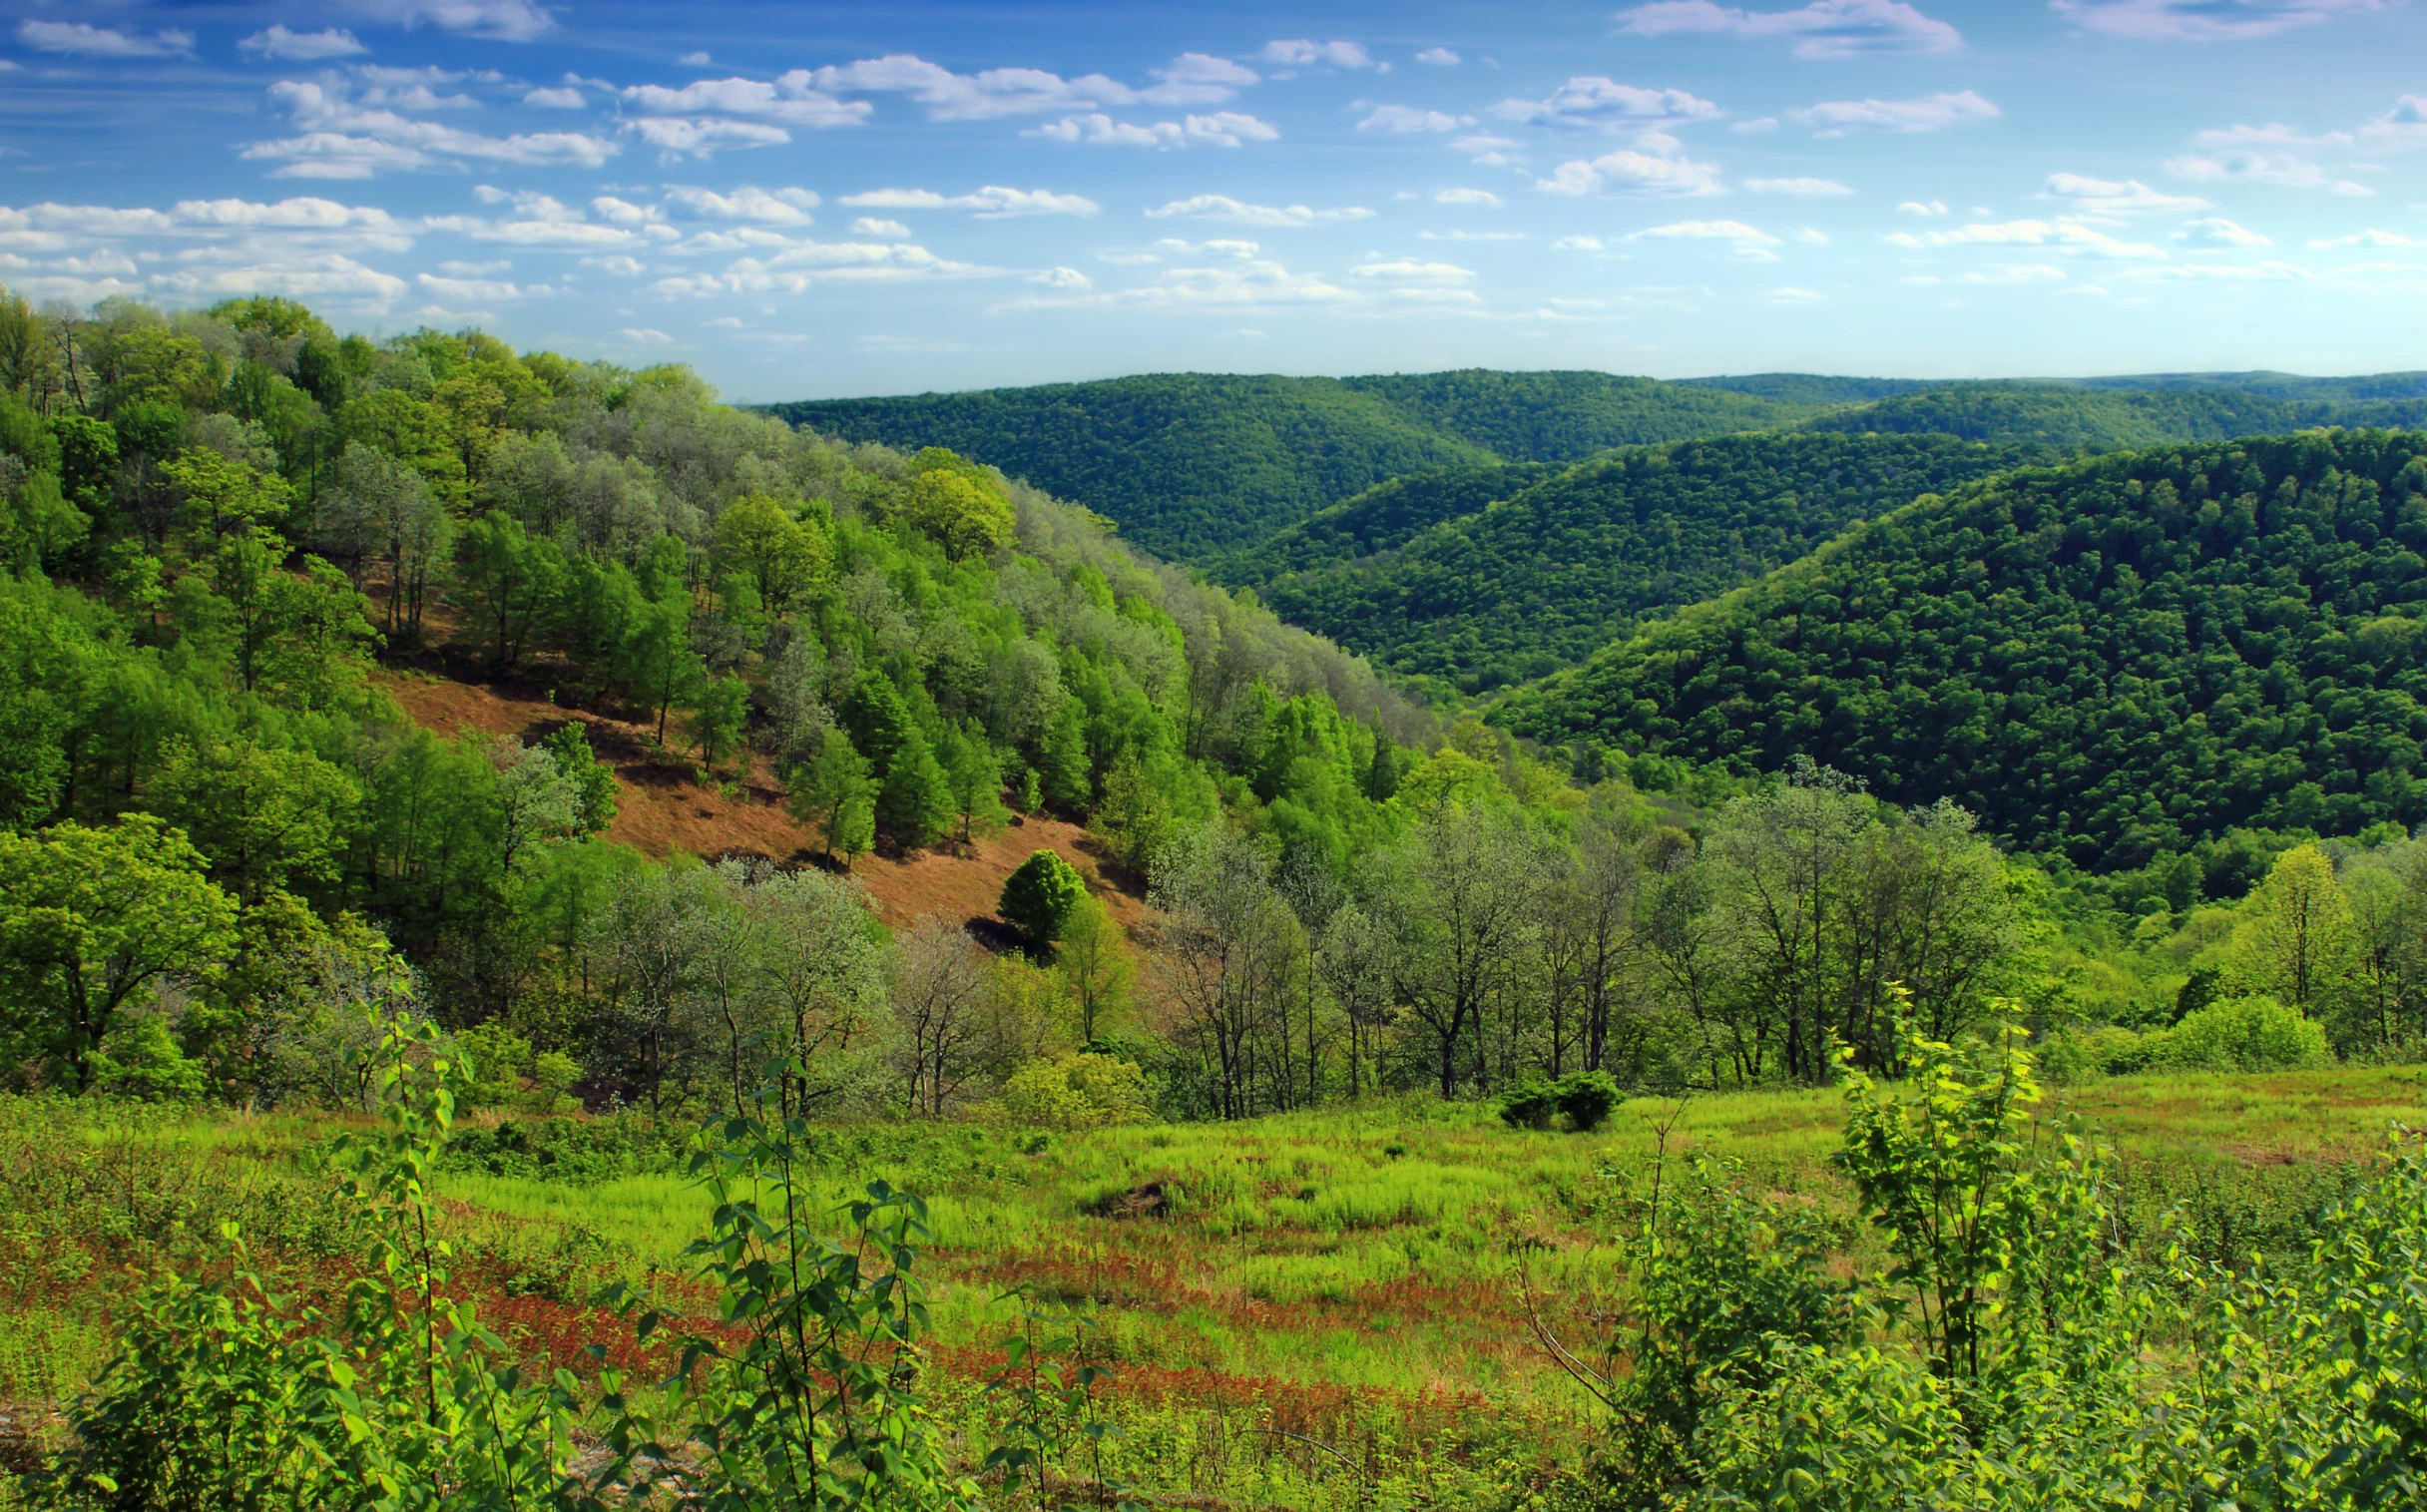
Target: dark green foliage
[1538, 581]
[2116, 658]
[2104, 420]
[1585, 1099]
[592, 778]
[1529, 1105]
[914, 803]
[1038, 897]
[1191, 464]
[1382, 518]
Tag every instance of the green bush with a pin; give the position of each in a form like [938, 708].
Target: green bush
[1529, 1103]
[2245, 1034]
[2076, 1055]
[1587, 1098]
[1039, 897]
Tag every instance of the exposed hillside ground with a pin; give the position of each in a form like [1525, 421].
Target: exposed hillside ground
[663, 807]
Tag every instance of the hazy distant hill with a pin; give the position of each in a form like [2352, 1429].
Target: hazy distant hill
[1191, 465]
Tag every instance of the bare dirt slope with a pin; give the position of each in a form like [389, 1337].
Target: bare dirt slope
[663, 807]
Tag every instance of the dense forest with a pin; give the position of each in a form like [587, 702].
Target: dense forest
[1548, 573]
[2106, 660]
[1193, 464]
[1198, 466]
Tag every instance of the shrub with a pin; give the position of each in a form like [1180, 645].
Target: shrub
[1529, 1105]
[1587, 1098]
[2076, 1054]
[2245, 1034]
[1040, 897]
[1077, 1091]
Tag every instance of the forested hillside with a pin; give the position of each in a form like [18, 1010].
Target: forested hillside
[1548, 573]
[1382, 518]
[1193, 464]
[2109, 660]
[2106, 419]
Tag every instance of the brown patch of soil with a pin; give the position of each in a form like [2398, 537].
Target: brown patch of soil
[662, 807]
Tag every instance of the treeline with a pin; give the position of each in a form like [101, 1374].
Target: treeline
[2110, 661]
[1543, 574]
[2107, 418]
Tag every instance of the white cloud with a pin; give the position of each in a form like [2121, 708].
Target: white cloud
[1239, 213]
[789, 99]
[621, 212]
[1812, 236]
[1823, 29]
[1922, 207]
[1834, 118]
[302, 47]
[1102, 129]
[2349, 189]
[2244, 272]
[873, 226]
[81, 39]
[1490, 151]
[1633, 173]
[2364, 239]
[1591, 102]
[1063, 278]
[1577, 244]
[1470, 235]
[1402, 120]
[1794, 297]
[989, 204]
[674, 137]
[498, 20]
[1227, 127]
[2204, 19]
[1707, 230]
[998, 92]
[1412, 270]
[2113, 198]
[1438, 56]
[1758, 126]
[328, 277]
[2248, 166]
[2215, 230]
[334, 155]
[1796, 187]
[345, 138]
[466, 290]
[1199, 78]
[1304, 54]
[642, 335]
[2404, 126]
[556, 98]
[1232, 285]
[1466, 197]
[783, 206]
[2064, 234]
[695, 59]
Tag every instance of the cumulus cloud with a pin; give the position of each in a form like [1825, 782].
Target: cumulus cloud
[1403, 120]
[1239, 213]
[1593, 103]
[1063, 278]
[1577, 244]
[875, 225]
[1823, 29]
[556, 98]
[1230, 283]
[783, 206]
[789, 99]
[2062, 235]
[1305, 54]
[498, 20]
[675, 136]
[2116, 198]
[1707, 230]
[81, 39]
[1633, 173]
[2248, 166]
[1466, 197]
[1190, 79]
[1413, 271]
[1834, 118]
[2364, 239]
[346, 137]
[2204, 19]
[992, 203]
[1438, 56]
[302, 47]
[1796, 187]
[1220, 129]
[2216, 232]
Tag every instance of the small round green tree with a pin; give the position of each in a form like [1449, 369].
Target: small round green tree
[1040, 897]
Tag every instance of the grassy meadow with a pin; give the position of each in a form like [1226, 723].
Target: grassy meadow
[1306, 1310]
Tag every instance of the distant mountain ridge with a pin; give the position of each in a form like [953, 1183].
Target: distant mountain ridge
[1197, 466]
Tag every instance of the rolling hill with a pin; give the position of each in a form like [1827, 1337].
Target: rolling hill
[2105, 658]
[1195, 465]
[1532, 578]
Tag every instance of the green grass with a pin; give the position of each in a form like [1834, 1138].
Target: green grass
[1350, 1278]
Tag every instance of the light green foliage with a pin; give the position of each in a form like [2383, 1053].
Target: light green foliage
[833, 795]
[963, 508]
[914, 802]
[1040, 897]
[784, 557]
[593, 780]
[1077, 1091]
[2240, 1034]
[974, 776]
[89, 920]
[268, 820]
[720, 718]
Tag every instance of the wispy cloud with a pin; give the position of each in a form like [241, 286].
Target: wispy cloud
[2204, 20]
[81, 39]
[303, 47]
[1930, 113]
[992, 203]
[1823, 29]
[1239, 213]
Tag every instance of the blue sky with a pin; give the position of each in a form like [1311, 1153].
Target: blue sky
[818, 200]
